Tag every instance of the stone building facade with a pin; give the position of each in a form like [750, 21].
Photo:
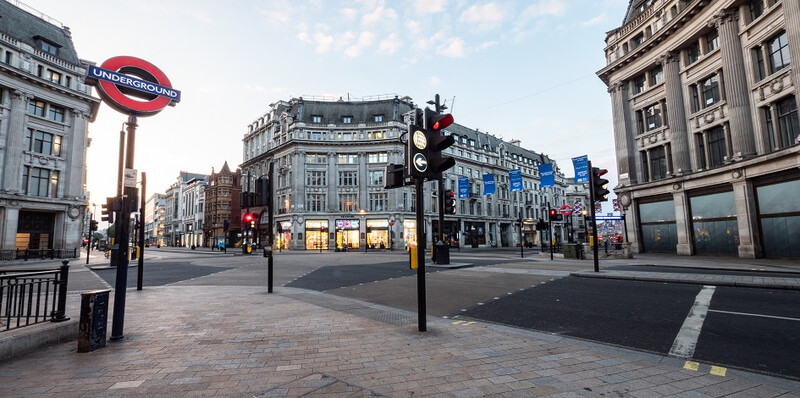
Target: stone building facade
[45, 110]
[222, 208]
[704, 97]
[184, 201]
[329, 158]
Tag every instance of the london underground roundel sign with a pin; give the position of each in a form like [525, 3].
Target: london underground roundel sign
[133, 86]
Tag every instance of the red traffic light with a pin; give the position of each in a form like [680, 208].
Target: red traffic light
[442, 121]
[553, 212]
[248, 217]
[451, 194]
[599, 172]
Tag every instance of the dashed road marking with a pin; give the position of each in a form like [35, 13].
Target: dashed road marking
[785, 318]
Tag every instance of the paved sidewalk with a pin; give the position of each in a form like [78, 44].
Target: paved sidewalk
[242, 342]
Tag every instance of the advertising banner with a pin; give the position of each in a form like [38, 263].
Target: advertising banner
[488, 184]
[463, 187]
[581, 164]
[546, 174]
[515, 177]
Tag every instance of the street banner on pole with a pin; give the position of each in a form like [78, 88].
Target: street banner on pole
[546, 174]
[615, 204]
[515, 178]
[598, 207]
[581, 164]
[463, 187]
[488, 184]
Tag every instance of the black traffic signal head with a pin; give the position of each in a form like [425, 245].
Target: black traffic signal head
[107, 210]
[393, 176]
[93, 225]
[434, 124]
[599, 184]
[449, 202]
[417, 152]
[553, 214]
[263, 193]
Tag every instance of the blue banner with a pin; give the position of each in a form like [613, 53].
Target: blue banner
[488, 184]
[515, 178]
[581, 164]
[463, 187]
[546, 174]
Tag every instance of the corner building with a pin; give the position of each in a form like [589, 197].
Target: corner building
[45, 110]
[704, 98]
[329, 158]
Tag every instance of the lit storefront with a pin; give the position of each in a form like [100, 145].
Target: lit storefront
[474, 233]
[410, 233]
[316, 234]
[451, 232]
[284, 235]
[347, 234]
[378, 234]
[530, 237]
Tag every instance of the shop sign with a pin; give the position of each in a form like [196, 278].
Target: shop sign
[316, 224]
[348, 224]
[285, 225]
[120, 78]
[377, 223]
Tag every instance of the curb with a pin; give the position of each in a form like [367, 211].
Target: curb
[640, 278]
[18, 342]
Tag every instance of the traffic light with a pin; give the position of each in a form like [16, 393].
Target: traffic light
[449, 202]
[434, 124]
[247, 199]
[263, 193]
[93, 225]
[599, 184]
[107, 210]
[417, 152]
[553, 214]
[249, 220]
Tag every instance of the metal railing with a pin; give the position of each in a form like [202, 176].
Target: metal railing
[37, 254]
[28, 297]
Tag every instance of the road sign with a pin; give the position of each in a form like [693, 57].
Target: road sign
[420, 163]
[120, 78]
[565, 210]
[608, 218]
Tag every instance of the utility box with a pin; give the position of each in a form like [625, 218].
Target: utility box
[93, 321]
[571, 250]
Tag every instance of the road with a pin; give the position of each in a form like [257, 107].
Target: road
[747, 328]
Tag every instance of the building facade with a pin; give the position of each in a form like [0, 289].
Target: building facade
[329, 158]
[223, 224]
[183, 209]
[44, 113]
[154, 220]
[704, 97]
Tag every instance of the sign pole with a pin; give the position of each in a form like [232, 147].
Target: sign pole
[594, 220]
[140, 263]
[421, 300]
[124, 234]
[270, 221]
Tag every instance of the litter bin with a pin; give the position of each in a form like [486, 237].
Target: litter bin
[94, 317]
[571, 250]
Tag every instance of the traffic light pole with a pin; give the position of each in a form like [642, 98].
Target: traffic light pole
[89, 245]
[123, 221]
[595, 252]
[270, 221]
[550, 230]
[140, 264]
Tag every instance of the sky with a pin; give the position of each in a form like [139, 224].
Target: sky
[521, 70]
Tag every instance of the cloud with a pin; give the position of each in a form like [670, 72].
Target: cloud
[545, 8]
[595, 21]
[324, 42]
[453, 48]
[379, 15]
[434, 81]
[390, 44]
[365, 39]
[429, 6]
[484, 17]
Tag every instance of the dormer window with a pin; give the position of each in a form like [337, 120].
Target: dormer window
[47, 46]
[347, 119]
[316, 119]
[377, 118]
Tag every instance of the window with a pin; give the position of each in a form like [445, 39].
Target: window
[376, 177]
[693, 53]
[44, 143]
[344, 158]
[316, 158]
[377, 118]
[658, 163]
[316, 136]
[316, 119]
[347, 119]
[56, 113]
[656, 75]
[637, 40]
[40, 182]
[653, 116]
[758, 54]
[36, 107]
[716, 147]
[712, 41]
[348, 178]
[376, 135]
[638, 84]
[710, 91]
[756, 9]
[48, 47]
[377, 201]
[348, 202]
[315, 202]
[316, 178]
[788, 126]
[53, 76]
[639, 122]
[779, 53]
[378, 157]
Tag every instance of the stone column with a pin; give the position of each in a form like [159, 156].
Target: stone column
[791, 14]
[623, 133]
[331, 200]
[15, 141]
[676, 117]
[683, 223]
[746, 216]
[8, 226]
[735, 84]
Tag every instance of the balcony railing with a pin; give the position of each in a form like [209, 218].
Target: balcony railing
[28, 297]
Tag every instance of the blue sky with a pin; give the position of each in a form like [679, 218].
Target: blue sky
[517, 69]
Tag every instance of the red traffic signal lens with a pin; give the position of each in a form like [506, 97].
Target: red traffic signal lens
[599, 172]
[552, 212]
[443, 121]
[248, 217]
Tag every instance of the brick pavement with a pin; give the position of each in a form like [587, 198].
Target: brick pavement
[238, 341]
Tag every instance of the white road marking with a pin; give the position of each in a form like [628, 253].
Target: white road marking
[758, 315]
[686, 340]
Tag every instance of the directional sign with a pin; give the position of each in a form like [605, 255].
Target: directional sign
[133, 86]
[420, 140]
[420, 163]
[566, 210]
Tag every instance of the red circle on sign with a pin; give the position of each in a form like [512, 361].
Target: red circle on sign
[124, 103]
[566, 210]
